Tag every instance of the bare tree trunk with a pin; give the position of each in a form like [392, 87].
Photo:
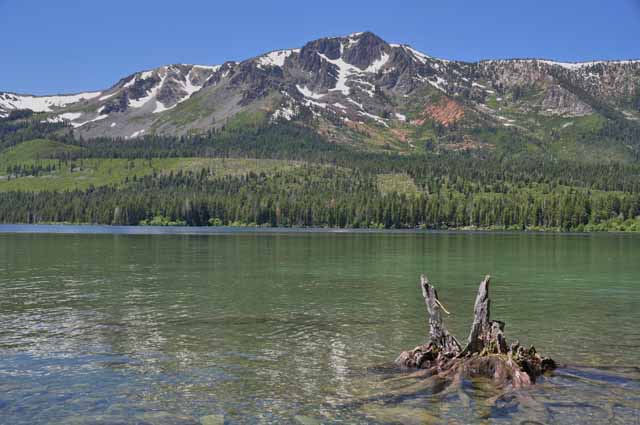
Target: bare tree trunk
[439, 337]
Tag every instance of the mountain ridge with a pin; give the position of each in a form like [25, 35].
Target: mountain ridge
[359, 89]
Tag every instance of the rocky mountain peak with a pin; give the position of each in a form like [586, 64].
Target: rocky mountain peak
[363, 49]
[357, 81]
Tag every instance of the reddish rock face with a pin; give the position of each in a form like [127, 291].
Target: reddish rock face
[447, 112]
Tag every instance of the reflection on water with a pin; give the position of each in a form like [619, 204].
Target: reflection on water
[302, 328]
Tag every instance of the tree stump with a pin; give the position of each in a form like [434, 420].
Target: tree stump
[486, 353]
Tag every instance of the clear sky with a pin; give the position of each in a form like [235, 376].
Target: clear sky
[62, 46]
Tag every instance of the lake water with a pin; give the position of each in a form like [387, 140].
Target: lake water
[303, 327]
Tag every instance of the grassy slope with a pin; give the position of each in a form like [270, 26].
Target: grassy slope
[32, 150]
[399, 183]
[81, 174]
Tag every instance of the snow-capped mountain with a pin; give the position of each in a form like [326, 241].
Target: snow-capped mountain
[349, 88]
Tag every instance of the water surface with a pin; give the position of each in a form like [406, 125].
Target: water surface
[302, 327]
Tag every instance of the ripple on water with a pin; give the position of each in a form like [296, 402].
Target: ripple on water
[301, 329]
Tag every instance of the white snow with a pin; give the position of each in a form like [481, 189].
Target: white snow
[359, 105]
[108, 96]
[187, 86]
[500, 117]
[276, 58]
[401, 117]
[136, 134]
[308, 93]
[339, 105]
[130, 82]
[42, 103]
[378, 64]
[344, 71]
[286, 112]
[421, 57]
[567, 124]
[567, 65]
[70, 116]
[438, 83]
[577, 65]
[370, 89]
[112, 125]
[138, 103]
[145, 74]
[474, 84]
[376, 118]
[213, 68]
[98, 118]
[353, 38]
[161, 108]
[310, 102]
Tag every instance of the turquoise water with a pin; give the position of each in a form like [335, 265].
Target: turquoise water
[303, 327]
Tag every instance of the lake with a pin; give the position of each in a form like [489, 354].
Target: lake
[101, 326]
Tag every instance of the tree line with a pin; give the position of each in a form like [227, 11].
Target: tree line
[321, 197]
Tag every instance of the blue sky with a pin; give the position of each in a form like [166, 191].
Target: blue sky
[62, 46]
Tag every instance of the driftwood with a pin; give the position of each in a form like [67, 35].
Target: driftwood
[486, 353]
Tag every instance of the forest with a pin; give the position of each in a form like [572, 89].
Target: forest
[322, 185]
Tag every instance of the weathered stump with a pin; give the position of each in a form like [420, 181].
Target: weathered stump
[486, 353]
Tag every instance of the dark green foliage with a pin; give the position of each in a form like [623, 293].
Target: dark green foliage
[320, 196]
[22, 125]
[337, 187]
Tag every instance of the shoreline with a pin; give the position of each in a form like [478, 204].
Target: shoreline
[88, 229]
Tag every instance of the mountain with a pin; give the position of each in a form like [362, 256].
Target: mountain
[361, 90]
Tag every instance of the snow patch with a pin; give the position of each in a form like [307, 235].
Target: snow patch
[188, 87]
[152, 93]
[573, 66]
[308, 93]
[378, 64]
[98, 118]
[376, 118]
[130, 82]
[438, 83]
[359, 105]
[371, 87]
[401, 117]
[344, 71]
[42, 103]
[107, 96]
[421, 57]
[136, 134]
[112, 125]
[276, 58]
[213, 68]
[286, 112]
[70, 116]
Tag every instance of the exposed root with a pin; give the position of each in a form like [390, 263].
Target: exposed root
[486, 353]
